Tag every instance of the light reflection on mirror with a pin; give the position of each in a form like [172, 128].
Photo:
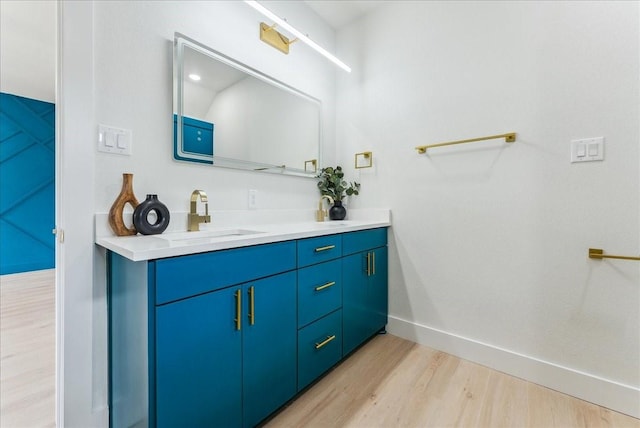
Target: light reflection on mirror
[234, 116]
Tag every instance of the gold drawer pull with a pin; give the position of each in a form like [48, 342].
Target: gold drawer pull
[252, 306]
[368, 264]
[324, 342]
[328, 247]
[373, 263]
[327, 285]
[238, 318]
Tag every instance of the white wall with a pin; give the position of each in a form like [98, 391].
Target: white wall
[28, 49]
[116, 69]
[490, 240]
[133, 49]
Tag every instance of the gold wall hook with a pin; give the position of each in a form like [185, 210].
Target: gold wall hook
[273, 38]
[597, 253]
[367, 156]
[508, 138]
[314, 164]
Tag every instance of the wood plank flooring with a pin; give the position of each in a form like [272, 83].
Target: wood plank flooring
[27, 350]
[391, 382]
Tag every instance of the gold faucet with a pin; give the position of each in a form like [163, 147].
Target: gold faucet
[322, 213]
[194, 218]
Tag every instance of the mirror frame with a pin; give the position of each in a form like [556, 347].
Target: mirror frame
[180, 42]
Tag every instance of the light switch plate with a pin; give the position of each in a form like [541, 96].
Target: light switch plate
[114, 140]
[587, 150]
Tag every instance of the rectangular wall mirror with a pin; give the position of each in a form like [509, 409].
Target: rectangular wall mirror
[230, 115]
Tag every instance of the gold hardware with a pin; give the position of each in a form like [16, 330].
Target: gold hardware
[314, 164]
[509, 138]
[373, 262]
[238, 318]
[252, 306]
[273, 38]
[327, 285]
[322, 213]
[596, 253]
[328, 247]
[194, 218]
[368, 264]
[365, 155]
[324, 342]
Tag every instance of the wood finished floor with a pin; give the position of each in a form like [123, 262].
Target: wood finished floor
[390, 382]
[27, 350]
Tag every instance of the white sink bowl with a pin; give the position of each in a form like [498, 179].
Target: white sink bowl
[205, 236]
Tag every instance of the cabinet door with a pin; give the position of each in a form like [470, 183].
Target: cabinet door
[364, 304]
[378, 291]
[269, 345]
[198, 362]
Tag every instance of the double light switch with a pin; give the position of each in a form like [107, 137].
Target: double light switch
[114, 140]
[587, 150]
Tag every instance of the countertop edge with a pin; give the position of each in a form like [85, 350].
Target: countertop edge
[296, 231]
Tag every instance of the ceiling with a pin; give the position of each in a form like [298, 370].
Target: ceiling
[339, 13]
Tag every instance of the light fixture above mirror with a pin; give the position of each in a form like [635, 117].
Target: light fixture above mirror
[272, 38]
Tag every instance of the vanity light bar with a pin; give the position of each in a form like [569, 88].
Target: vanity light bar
[284, 24]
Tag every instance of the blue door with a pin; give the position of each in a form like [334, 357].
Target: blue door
[198, 362]
[269, 338]
[364, 304]
[27, 184]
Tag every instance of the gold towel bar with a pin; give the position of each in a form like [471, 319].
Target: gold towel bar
[596, 253]
[509, 138]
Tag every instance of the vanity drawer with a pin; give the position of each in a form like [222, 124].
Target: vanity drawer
[185, 276]
[319, 291]
[320, 249]
[319, 347]
[354, 242]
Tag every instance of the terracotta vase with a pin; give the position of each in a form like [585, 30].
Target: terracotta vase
[116, 220]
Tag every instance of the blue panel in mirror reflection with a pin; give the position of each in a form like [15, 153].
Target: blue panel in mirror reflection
[197, 140]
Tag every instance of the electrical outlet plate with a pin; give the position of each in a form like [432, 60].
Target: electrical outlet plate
[252, 201]
[587, 150]
[114, 140]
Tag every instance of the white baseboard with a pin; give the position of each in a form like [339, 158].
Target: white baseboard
[603, 392]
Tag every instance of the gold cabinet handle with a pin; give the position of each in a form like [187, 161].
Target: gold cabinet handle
[324, 342]
[252, 306]
[373, 263]
[238, 318]
[368, 264]
[328, 247]
[327, 285]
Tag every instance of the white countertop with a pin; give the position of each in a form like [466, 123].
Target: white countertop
[252, 231]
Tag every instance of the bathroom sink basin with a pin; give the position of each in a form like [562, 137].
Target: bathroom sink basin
[205, 236]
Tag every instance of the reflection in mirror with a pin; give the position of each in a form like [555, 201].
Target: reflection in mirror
[228, 114]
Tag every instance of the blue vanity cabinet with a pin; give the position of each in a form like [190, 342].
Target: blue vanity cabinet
[365, 286]
[202, 340]
[227, 337]
[198, 366]
[227, 358]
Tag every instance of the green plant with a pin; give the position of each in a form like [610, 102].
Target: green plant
[332, 183]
